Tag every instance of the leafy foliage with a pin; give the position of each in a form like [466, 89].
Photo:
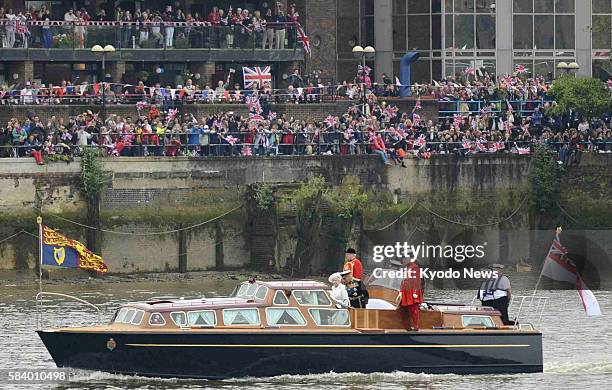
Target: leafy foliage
[264, 196]
[309, 190]
[589, 97]
[544, 179]
[93, 176]
[347, 200]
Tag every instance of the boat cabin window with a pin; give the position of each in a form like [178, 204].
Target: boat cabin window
[261, 293]
[280, 298]
[329, 317]
[286, 316]
[137, 317]
[251, 290]
[157, 319]
[202, 318]
[242, 290]
[485, 321]
[121, 315]
[127, 315]
[241, 317]
[311, 297]
[179, 318]
[247, 290]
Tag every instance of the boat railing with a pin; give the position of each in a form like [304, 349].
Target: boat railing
[39, 304]
[530, 308]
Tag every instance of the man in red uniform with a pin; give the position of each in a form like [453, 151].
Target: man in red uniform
[411, 292]
[353, 264]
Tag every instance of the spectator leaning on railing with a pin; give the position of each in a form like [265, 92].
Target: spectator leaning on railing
[234, 27]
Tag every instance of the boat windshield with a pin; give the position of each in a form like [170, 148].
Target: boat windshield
[386, 279]
[245, 290]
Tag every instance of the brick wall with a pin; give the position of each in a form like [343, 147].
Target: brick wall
[320, 23]
[23, 69]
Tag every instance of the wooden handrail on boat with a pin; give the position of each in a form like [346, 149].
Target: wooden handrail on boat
[46, 293]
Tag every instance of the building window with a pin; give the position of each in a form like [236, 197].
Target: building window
[543, 24]
[470, 24]
[602, 7]
[601, 34]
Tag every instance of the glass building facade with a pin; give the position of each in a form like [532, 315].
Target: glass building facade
[489, 35]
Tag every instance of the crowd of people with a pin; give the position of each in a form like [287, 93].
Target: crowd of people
[455, 94]
[266, 27]
[377, 127]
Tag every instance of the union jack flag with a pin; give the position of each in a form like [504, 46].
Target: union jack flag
[526, 129]
[231, 140]
[497, 146]
[420, 142]
[522, 151]
[401, 133]
[171, 114]
[330, 121]
[480, 147]
[348, 134]
[417, 105]
[246, 151]
[256, 117]
[391, 111]
[303, 39]
[363, 69]
[256, 76]
[466, 145]
[458, 118]
[253, 104]
[558, 266]
[416, 119]
[470, 70]
[518, 68]
[271, 116]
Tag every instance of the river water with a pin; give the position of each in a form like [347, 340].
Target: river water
[577, 348]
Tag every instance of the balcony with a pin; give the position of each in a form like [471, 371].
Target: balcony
[67, 41]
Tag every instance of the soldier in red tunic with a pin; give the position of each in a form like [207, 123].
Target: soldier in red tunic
[353, 264]
[411, 292]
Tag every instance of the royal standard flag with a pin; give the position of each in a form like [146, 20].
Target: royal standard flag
[60, 251]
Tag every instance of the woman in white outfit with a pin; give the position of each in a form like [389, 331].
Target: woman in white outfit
[338, 291]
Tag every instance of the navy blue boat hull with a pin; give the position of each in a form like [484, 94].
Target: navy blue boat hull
[264, 354]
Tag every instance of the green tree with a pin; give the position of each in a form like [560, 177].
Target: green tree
[347, 203]
[93, 179]
[307, 202]
[589, 97]
[544, 180]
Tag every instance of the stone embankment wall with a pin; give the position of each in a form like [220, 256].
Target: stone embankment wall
[447, 198]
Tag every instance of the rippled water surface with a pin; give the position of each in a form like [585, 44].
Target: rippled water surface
[577, 349]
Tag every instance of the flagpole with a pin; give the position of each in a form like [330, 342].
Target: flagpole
[557, 232]
[40, 252]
